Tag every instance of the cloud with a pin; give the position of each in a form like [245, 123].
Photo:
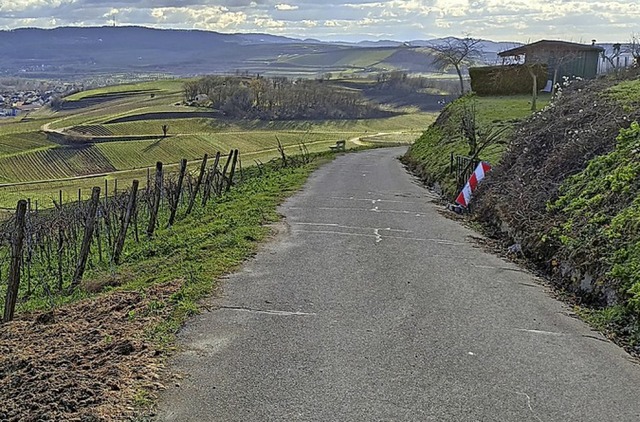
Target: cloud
[268, 23]
[513, 20]
[283, 6]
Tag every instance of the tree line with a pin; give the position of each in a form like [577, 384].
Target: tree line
[279, 98]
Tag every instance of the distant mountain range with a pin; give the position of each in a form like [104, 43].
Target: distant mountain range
[75, 52]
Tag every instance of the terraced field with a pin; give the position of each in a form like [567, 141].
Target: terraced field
[17, 143]
[100, 131]
[348, 58]
[96, 130]
[53, 163]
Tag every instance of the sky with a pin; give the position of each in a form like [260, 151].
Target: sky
[350, 20]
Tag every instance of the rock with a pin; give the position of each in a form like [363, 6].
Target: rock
[515, 249]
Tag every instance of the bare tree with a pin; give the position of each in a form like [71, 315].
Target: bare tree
[457, 53]
[634, 47]
[613, 55]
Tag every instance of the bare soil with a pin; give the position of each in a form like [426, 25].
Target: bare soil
[85, 362]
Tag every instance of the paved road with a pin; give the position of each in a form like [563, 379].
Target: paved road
[374, 307]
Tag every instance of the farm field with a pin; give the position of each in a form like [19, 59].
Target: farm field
[116, 133]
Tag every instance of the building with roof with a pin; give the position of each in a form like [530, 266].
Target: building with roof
[563, 59]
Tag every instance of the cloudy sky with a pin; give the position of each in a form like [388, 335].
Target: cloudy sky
[352, 20]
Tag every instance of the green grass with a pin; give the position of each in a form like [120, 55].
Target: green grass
[497, 110]
[198, 249]
[430, 154]
[626, 92]
[339, 58]
[365, 58]
[30, 125]
[146, 127]
[170, 85]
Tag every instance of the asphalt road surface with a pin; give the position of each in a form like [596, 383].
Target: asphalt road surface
[372, 306]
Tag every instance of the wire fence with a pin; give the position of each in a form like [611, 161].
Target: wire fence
[46, 252]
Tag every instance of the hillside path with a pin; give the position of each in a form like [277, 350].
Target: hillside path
[371, 306]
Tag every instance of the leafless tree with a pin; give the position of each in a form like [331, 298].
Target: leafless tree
[457, 53]
[612, 55]
[634, 47]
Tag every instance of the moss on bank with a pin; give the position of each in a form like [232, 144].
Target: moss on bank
[600, 232]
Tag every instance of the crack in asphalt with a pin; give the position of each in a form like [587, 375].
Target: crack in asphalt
[267, 311]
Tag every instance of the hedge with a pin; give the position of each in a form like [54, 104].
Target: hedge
[506, 80]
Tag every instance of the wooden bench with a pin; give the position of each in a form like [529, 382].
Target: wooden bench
[339, 146]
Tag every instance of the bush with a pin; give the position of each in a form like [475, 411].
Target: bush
[506, 80]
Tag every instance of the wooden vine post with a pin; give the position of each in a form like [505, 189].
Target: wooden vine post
[233, 170]
[203, 169]
[224, 173]
[534, 95]
[177, 192]
[89, 229]
[16, 261]
[153, 217]
[211, 174]
[131, 204]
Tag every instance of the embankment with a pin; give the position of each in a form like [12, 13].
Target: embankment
[566, 189]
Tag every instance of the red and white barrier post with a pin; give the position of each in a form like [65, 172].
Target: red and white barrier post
[465, 196]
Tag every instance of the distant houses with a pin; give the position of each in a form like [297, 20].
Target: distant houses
[14, 103]
[9, 112]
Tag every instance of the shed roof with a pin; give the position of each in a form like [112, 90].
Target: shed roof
[552, 44]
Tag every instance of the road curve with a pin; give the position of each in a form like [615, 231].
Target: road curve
[374, 307]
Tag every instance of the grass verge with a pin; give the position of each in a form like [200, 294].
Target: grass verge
[99, 357]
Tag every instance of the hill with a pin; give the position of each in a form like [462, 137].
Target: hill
[78, 52]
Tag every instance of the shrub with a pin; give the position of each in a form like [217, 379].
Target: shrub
[506, 80]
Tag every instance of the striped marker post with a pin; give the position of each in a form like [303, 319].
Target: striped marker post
[465, 196]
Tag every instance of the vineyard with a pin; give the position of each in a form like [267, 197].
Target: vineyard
[104, 284]
[45, 253]
[18, 143]
[95, 130]
[54, 163]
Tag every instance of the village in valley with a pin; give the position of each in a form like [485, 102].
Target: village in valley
[15, 102]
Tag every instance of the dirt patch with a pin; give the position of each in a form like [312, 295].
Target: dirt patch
[93, 100]
[84, 362]
[169, 115]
